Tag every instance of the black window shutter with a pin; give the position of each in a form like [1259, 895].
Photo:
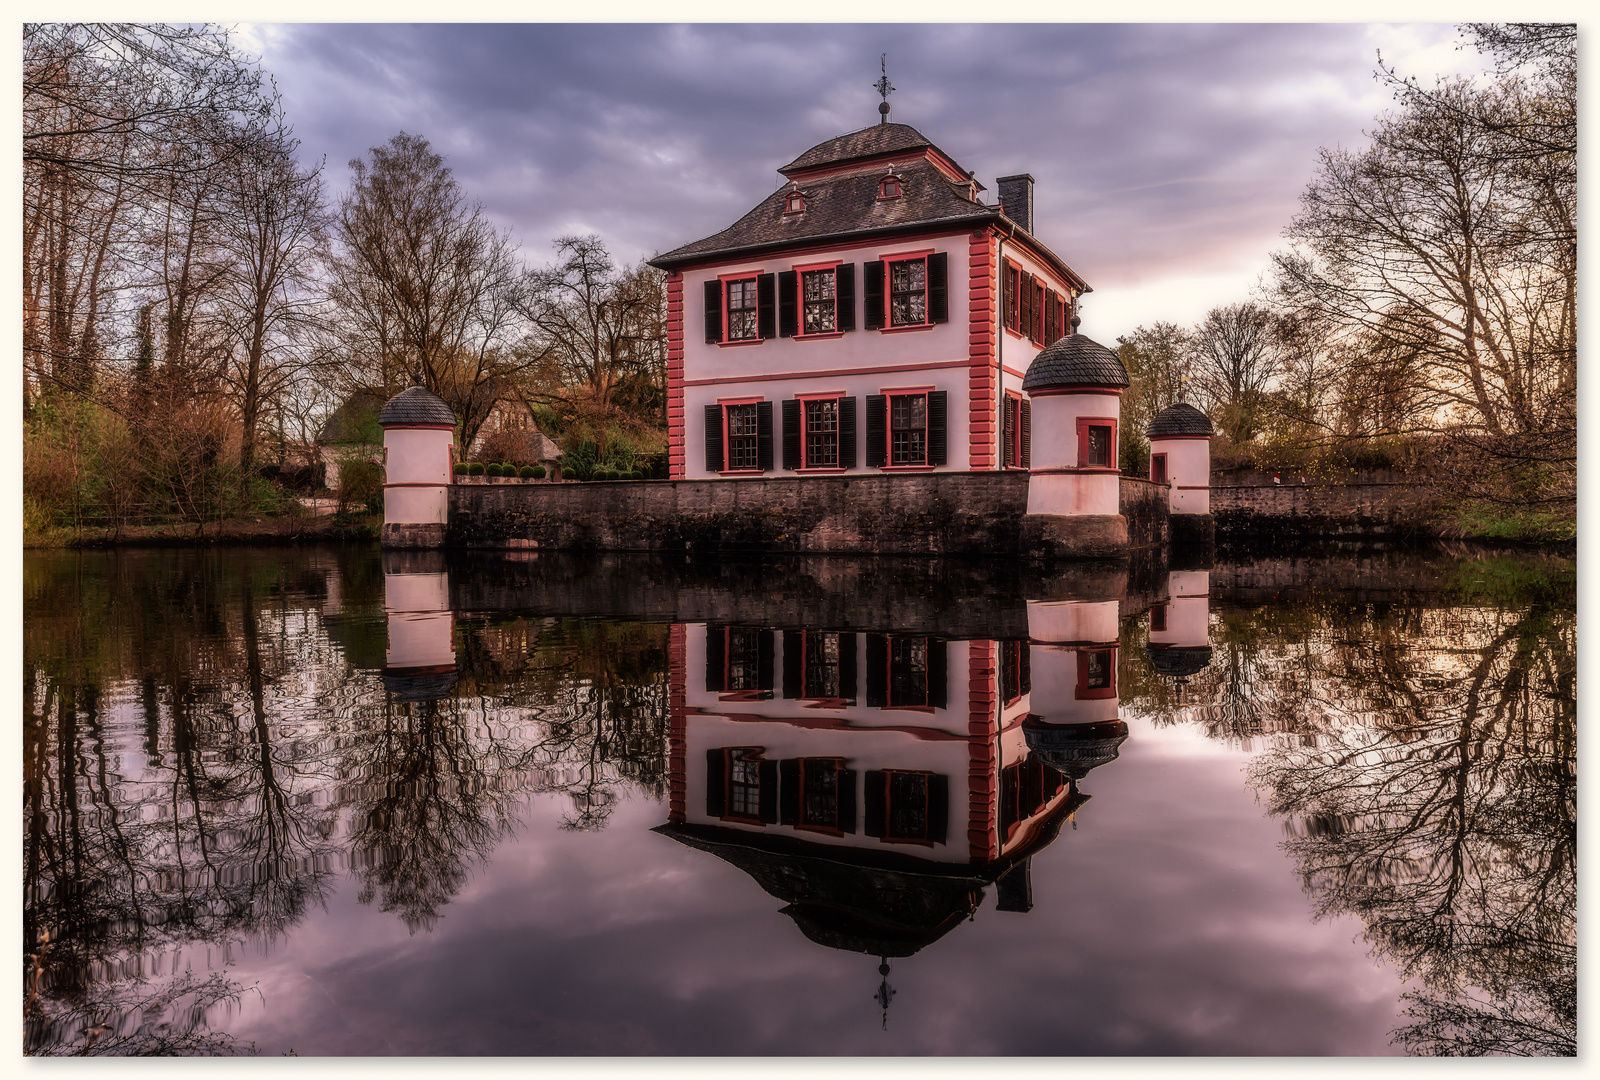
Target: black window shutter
[764, 650]
[877, 431]
[1008, 429]
[1038, 313]
[1026, 285]
[1027, 433]
[1025, 665]
[765, 314]
[1050, 317]
[764, 435]
[939, 287]
[767, 773]
[877, 671]
[791, 663]
[716, 768]
[788, 304]
[789, 791]
[791, 434]
[844, 290]
[874, 796]
[872, 296]
[938, 412]
[716, 648]
[1008, 295]
[938, 673]
[713, 312]
[847, 801]
[713, 438]
[847, 666]
[847, 433]
[938, 808]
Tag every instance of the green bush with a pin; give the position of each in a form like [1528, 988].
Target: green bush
[461, 468]
[494, 468]
[537, 472]
[526, 472]
[507, 469]
[477, 468]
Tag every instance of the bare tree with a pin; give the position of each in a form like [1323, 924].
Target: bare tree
[422, 279]
[1236, 355]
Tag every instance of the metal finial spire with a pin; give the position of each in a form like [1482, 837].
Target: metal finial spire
[883, 88]
[885, 992]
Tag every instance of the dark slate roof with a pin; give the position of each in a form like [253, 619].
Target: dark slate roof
[1075, 360]
[1074, 749]
[842, 205]
[352, 421]
[415, 405]
[1179, 419]
[1179, 662]
[868, 142]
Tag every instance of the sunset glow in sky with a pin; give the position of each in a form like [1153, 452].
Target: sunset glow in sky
[1168, 158]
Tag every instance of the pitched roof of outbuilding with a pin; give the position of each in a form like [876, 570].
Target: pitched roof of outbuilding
[416, 405]
[845, 204]
[868, 142]
[1179, 419]
[1075, 360]
[351, 422]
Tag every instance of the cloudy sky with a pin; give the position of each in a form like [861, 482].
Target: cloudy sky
[1168, 158]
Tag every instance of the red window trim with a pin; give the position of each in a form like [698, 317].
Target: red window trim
[926, 808]
[805, 443]
[1158, 618]
[788, 201]
[818, 700]
[899, 187]
[1165, 476]
[727, 447]
[888, 430]
[1084, 424]
[800, 802]
[1082, 691]
[800, 272]
[726, 280]
[888, 292]
[727, 780]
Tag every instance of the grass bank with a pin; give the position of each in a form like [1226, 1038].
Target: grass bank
[293, 529]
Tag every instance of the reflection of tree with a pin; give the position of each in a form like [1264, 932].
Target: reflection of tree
[1429, 787]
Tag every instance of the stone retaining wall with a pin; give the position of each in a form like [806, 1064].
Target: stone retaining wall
[965, 514]
[1375, 503]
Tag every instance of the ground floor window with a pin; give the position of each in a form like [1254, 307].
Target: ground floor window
[908, 429]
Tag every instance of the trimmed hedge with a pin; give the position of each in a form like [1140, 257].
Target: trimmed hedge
[477, 468]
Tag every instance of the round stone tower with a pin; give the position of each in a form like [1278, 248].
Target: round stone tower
[1180, 456]
[1074, 486]
[418, 451]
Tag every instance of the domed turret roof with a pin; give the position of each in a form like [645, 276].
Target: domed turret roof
[1075, 749]
[1179, 661]
[1179, 419]
[1075, 360]
[415, 405]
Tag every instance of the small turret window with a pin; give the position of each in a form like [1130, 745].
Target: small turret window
[794, 204]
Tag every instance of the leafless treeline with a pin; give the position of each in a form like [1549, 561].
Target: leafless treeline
[1429, 288]
[193, 307]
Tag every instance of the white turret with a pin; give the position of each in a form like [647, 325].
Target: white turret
[418, 455]
[1180, 455]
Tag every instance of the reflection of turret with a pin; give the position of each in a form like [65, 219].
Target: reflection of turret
[1074, 749]
[420, 664]
[1180, 643]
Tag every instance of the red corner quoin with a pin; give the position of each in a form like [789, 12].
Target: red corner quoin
[981, 350]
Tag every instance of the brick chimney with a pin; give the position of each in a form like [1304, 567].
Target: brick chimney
[1016, 199]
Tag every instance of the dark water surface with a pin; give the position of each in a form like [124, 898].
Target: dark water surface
[325, 801]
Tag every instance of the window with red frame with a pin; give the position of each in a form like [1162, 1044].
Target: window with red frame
[1025, 789]
[1097, 669]
[819, 793]
[908, 292]
[741, 785]
[743, 310]
[1158, 468]
[739, 662]
[819, 666]
[743, 437]
[794, 203]
[889, 187]
[907, 672]
[822, 433]
[908, 429]
[909, 806]
[1097, 442]
[1158, 617]
[819, 301]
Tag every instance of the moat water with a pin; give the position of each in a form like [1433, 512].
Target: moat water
[332, 802]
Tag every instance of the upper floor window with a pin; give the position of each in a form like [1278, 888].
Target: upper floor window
[743, 310]
[908, 292]
[794, 203]
[889, 187]
[819, 293]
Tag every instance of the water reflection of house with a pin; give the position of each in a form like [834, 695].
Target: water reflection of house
[876, 783]
[351, 433]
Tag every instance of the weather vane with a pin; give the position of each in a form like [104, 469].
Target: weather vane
[883, 88]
